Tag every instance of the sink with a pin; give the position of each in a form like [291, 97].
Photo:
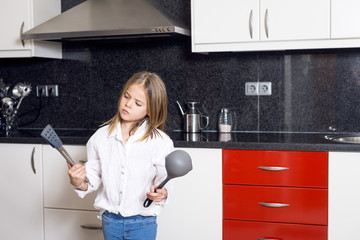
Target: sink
[350, 138]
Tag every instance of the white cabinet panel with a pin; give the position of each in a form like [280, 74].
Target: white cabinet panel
[345, 18]
[225, 21]
[194, 210]
[58, 192]
[283, 20]
[21, 192]
[275, 25]
[344, 195]
[22, 15]
[72, 225]
[11, 19]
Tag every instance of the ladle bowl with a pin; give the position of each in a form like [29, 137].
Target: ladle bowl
[177, 163]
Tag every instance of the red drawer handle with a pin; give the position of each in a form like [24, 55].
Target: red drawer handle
[274, 205]
[274, 168]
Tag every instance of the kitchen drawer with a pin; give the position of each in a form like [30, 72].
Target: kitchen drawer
[72, 225]
[306, 205]
[248, 230]
[304, 169]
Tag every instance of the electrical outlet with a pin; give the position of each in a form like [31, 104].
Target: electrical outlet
[251, 88]
[264, 88]
[53, 90]
[41, 90]
[257, 88]
[47, 90]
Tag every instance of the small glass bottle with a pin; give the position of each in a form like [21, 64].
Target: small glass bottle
[225, 121]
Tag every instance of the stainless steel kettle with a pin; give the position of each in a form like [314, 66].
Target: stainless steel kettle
[193, 118]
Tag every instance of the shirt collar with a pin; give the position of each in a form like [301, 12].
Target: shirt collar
[137, 135]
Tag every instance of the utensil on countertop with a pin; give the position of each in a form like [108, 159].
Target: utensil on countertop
[49, 134]
[7, 106]
[193, 117]
[177, 163]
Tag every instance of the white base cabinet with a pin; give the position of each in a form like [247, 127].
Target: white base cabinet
[194, 210]
[21, 192]
[61, 224]
[43, 205]
[66, 215]
[344, 195]
[58, 192]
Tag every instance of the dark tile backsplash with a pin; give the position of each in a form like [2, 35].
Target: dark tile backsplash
[311, 90]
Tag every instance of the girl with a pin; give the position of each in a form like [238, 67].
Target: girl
[126, 161]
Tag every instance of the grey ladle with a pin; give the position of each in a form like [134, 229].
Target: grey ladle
[177, 163]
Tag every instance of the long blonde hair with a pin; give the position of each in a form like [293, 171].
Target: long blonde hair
[156, 103]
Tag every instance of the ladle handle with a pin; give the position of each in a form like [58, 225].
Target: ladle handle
[148, 201]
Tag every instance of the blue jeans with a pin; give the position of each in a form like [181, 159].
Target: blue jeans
[117, 227]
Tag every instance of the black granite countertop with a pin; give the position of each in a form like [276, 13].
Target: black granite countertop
[238, 140]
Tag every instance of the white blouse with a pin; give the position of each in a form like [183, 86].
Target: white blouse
[124, 172]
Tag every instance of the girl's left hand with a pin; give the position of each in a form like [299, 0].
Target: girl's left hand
[157, 196]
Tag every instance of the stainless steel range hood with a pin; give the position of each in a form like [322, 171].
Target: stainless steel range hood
[107, 19]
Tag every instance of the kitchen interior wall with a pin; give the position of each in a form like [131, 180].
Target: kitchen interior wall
[312, 91]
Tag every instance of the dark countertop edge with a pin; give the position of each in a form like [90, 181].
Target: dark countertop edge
[220, 145]
[272, 146]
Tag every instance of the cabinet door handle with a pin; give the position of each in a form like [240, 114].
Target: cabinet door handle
[91, 227]
[273, 168]
[268, 238]
[251, 24]
[33, 161]
[21, 32]
[274, 205]
[267, 23]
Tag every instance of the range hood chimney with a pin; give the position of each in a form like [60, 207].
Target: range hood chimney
[108, 19]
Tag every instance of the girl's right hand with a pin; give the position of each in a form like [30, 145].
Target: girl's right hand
[77, 175]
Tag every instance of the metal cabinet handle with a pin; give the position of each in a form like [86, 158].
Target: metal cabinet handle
[267, 23]
[33, 161]
[91, 227]
[273, 168]
[268, 238]
[251, 24]
[21, 32]
[274, 205]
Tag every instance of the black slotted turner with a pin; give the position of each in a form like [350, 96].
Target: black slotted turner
[49, 134]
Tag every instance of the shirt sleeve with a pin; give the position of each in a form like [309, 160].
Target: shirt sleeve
[93, 169]
[161, 170]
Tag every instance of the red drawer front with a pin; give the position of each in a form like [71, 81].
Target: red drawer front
[305, 169]
[306, 205]
[246, 230]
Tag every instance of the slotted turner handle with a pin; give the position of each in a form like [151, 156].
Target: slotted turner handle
[49, 134]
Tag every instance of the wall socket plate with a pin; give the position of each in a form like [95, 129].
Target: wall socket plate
[264, 88]
[251, 88]
[258, 88]
[47, 90]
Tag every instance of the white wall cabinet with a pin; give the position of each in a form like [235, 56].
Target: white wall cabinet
[66, 216]
[21, 192]
[256, 25]
[283, 20]
[194, 210]
[345, 19]
[344, 195]
[225, 21]
[20, 16]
